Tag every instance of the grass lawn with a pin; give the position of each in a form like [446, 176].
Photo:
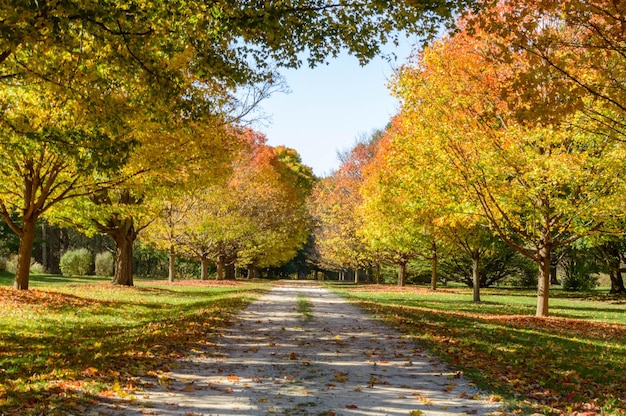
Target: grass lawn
[571, 363]
[65, 340]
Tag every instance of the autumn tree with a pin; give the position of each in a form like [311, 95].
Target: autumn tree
[257, 217]
[540, 185]
[273, 191]
[334, 205]
[167, 157]
[395, 218]
[52, 149]
[576, 44]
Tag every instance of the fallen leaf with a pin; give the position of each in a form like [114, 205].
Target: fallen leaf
[189, 388]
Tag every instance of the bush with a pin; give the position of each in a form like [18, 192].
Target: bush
[76, 262]
[36, 267]
[104, 263]
[10, 265]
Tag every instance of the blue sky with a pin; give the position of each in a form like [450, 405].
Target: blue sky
[330, 107]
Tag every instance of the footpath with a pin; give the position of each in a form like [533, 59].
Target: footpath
[301, 350]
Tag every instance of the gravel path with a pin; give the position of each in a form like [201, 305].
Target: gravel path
[279, 359]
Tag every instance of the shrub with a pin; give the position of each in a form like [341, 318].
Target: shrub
[76, 262]
[36, 267]
[104, 263]
[9, 264]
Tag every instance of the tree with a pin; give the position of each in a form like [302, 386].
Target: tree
[334, 203]
[578, 45]
[273, 190]
[540, 186]
[257, 216]
[162, 42]
[168, 157]
[396, 218]
[51, 151]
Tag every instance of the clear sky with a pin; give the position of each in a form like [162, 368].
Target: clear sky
[330, 107]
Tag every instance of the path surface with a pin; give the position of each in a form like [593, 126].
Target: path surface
[335, 361]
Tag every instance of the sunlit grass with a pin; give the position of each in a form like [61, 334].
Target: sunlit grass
[61, 343]
[575, 360]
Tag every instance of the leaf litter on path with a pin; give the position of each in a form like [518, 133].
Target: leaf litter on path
[335, 360]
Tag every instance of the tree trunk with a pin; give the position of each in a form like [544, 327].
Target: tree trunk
[377, 273]
[402, 272]
[433, 278]
[27, 239]
[554, 280]
[253, 272]
[204, 273]
[221, 260]
[44, 246]
[617, 283]
[229, 271]
[356, 276]
[543, 288]
[172, 268]
[476, 276]
[615, 271]
[124, 237]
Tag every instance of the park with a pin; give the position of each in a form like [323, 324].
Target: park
[159, 256]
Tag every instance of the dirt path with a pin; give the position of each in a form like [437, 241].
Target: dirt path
[280, 358]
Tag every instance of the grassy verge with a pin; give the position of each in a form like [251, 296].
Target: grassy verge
[61, 345]
[571, 363]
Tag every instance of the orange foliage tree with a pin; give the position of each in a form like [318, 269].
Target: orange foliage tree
[541, 182]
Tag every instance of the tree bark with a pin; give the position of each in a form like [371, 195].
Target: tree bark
[44, 246]
[229, 271]
[433, 278]
[543, 288]
[253, 272]
[612, 253]
[124, 236]
[221, 259]
[25, 252]
[204, 273]
[554, 280]
[476, 277]
[172, 269]
[402, 272]
[617, 283]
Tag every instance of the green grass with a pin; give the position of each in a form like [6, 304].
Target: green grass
[62, 343]
[49, 280]
[573, 361]
[304, 307]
